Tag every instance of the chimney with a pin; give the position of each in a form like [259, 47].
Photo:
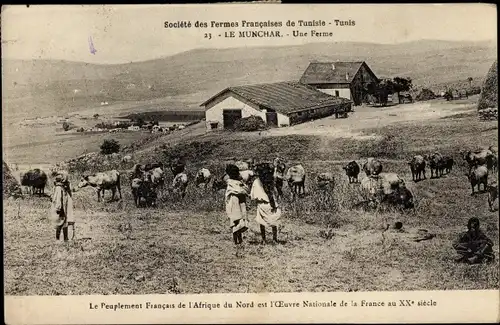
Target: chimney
[347, 76]
[333, 66]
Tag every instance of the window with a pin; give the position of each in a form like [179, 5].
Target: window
[214, 125]
[337, 93]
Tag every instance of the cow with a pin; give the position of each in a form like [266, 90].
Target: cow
[352, 170]
[102, 181]
[325, 180]
[179, 184]
[493, 197]
[402, 197]
[477, 176]
[127, 158]
[479, 158]
[447, 164]
[157, 176]
[137, 171]
[405, 98]
[151, 166]
[279, 175]
[296, 177]
[372, 167]
[203, 176]
[143, 189]
[494, 163]
[177, 167]
[435, 164]
[494, 158]
[219, 184]
[387, 187]
[35, 180]
[245, 165]
[417, 167]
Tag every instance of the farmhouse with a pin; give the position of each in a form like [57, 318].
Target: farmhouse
[340, 79]
[278, 104]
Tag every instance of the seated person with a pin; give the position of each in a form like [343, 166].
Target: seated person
[473, 245]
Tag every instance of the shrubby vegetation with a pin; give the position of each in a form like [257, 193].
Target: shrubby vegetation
[489, 94]
[110, 146]
[425, 94]
[249, 124]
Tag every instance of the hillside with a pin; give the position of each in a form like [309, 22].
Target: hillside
[184, 80]
[489, 95]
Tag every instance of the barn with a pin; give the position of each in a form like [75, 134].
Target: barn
[340, 79]
[278, 104]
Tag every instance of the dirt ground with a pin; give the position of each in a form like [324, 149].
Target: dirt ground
[369, 117]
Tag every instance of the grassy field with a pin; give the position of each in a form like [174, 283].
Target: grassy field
[186, 246]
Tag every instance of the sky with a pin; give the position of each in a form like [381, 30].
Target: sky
[125, 33]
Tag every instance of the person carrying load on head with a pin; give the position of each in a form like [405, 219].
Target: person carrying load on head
[268, 212]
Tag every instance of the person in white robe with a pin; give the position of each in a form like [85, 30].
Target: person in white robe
[268, 211]
[236, 195]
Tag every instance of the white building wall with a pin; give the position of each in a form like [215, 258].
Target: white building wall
[283, 120]
[343, 92]
[214, 114]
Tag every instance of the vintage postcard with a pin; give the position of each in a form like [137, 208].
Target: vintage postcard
[250, 163]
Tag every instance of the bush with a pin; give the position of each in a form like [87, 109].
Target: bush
[425, 94]
[249, 124]
[474, 90]
[110, 146]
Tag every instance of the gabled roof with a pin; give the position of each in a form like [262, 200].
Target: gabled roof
[283, 97]
[331, 72]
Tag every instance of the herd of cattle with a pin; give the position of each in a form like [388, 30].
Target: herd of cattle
[147, 180]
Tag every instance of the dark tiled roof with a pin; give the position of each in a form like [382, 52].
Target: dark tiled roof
[330, 72]
[283, 97]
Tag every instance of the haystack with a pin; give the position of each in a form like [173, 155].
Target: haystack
[10, 185]
[489, 91]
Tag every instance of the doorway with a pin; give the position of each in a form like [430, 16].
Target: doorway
[272, 119]
[230, 116]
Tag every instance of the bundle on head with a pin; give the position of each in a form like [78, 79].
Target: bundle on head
[233, 171]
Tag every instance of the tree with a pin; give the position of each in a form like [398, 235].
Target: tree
[66, 126]
[470, 81]
[401, 84]
[381, 90]
[110, 146]
[139, 121]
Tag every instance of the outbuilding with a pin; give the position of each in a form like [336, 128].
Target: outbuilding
[340, 79]
[279, 104]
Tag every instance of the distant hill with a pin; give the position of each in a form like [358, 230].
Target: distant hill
[46, 87]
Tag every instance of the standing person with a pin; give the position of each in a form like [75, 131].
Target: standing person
[268, 212]
[473, 245]
[236, 194]
[62, 205]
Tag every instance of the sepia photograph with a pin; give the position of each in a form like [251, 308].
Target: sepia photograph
[254, 148]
